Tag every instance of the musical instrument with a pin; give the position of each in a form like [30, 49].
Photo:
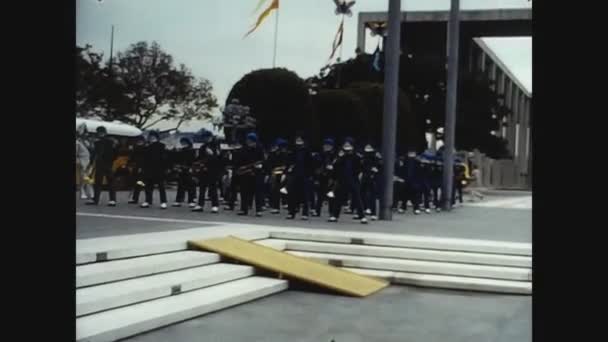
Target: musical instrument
[249, 168]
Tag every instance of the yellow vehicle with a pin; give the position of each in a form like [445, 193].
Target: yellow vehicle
[124, 135]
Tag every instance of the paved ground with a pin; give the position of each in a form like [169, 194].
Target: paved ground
[503, 221]
[395, 314]
[398, 313]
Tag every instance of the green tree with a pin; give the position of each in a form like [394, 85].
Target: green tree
[142, 87]
[280, 102]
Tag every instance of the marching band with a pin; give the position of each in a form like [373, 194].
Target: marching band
[297, 178]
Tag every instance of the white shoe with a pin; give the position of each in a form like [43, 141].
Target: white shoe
[416, 212]
[304, 218]
[364, 221]
[84, 196]
[197, 208]
[192, 205]
[428, 211]
[368, 211]
[215, 210]
[176, 205]
[163, 205]
[283, 191]
[145, 205]
[332, 219]
[374, 218]
[401, 211]
[274, 211]
[112, 203]
[438, 209]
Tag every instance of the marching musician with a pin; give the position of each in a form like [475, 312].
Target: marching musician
[300, 170]
[323, 172]
[372, 161]
[347, 169]
[155, 168]
[277, 162]
[103, 156]
[207, 169]
[413, 182]
[399, 184]
[436, 174]
[183, 160]
[136, 162]
[251, 178]
[425, 167]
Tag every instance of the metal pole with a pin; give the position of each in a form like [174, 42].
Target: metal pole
[276, 37]
[111, 47]
[450, 114]
[389, 118]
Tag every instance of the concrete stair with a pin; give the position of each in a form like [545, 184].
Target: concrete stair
[131, 320]
[113, 295]
[459, 269]
[105, 272]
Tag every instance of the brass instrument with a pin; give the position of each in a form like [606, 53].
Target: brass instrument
[248, 169]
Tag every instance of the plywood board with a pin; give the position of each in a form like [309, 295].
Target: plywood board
[292, 266]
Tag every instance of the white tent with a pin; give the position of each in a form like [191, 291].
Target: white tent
[113, 128]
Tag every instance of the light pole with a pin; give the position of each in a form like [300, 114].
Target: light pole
[450, 113]
[389, 118]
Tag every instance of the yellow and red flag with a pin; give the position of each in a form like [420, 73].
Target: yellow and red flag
[274, 5]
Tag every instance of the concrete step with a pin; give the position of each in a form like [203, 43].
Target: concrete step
[135, 319]
[105, 272]
[424, 242]
[108, 296]
[404, 253]
[449, 282]
[129, 246]
[417, 266]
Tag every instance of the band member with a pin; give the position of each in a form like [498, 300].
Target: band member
[250, 173]
[136, 162]
[436, 180]
[323, 171]
[425, 167]
[83, 162]
[103, 156]
[230, 161]
[300, 170]
[155, 168]
[460, 180]
[369, 180]
[277, 162]
[399, 184]
[207, 167]
[413, 182]
[347, 169]
[183, 160]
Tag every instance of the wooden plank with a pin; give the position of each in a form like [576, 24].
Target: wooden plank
[292, 266]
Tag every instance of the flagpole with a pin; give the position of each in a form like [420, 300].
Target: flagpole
[276, 37]
[342, 40]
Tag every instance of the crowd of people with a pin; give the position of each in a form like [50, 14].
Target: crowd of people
[284, 176]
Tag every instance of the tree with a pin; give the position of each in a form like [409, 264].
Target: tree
[143, 87]
[280, 102]
[88, 74]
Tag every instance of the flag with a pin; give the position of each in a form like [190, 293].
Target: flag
[273, 5]
[337, 39]
[377, 59]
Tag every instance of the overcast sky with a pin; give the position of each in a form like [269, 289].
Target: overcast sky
[207, 35]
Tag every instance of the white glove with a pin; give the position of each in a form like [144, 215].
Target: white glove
[258, 166]
[331, 194]
[330, 167]
[283, 191]
[209, 151]
[283, 178]
[374, 169]
[360, 176]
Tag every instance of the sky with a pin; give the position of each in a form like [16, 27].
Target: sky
[207, 35]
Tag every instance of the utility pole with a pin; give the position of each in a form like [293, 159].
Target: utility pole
[389, 118]
[450, 113]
